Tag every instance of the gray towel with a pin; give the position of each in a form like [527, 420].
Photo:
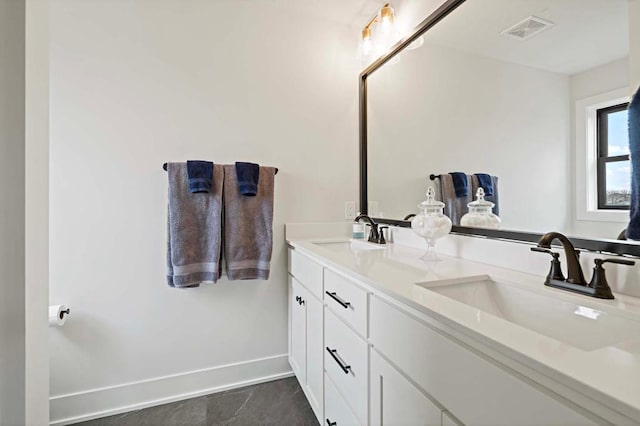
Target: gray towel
[454, 207]
[495, 198]
[195, 229]
[248, 229]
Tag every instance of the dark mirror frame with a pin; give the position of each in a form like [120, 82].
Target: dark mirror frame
[597, 245]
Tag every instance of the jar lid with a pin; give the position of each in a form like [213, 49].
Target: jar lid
[430, 202]
[480, 201]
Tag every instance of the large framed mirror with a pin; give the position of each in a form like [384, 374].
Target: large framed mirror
[526, 96]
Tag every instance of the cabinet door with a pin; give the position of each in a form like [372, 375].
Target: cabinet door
[298, 325]
[395, 401]
[315, 354]
[336, 411]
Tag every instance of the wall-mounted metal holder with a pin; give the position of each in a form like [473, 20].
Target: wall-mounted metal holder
[164, 167]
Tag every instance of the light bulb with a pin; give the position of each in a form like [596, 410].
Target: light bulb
[367, 46]
[386, 18]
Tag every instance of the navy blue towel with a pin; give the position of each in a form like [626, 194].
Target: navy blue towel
[248, 175]
[486, 183]
[200, 175]
[633, 230]
[460, 183]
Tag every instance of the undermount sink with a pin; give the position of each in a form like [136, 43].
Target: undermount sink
[350, 246]
[569, 322]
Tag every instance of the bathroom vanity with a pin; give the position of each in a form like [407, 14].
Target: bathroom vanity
[379, 337]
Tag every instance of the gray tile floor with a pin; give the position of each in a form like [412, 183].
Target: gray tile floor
[280, 402]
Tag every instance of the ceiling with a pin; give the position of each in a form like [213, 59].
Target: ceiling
[347, 12]
[586, 34]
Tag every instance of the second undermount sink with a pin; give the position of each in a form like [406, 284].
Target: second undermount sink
[350, 246]
[563, 320]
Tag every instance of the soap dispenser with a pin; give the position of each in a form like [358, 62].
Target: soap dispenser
[480, 214]
[431, 223]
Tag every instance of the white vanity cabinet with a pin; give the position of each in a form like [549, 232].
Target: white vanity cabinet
[306, 330]
[465, 382]
[365, 358]
[396, 401]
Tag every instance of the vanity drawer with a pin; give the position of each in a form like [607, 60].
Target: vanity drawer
[347, 300]
[345, 361]
[307, 272]
[336, 411]
[472, 388]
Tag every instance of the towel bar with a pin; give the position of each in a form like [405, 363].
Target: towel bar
[164, 166]
[431, 176]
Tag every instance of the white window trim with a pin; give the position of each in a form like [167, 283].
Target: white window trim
[587, 157]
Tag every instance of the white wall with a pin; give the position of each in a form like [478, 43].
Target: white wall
[37, 213]
[440, 110]
[634, 45]
[12, 296]
[136, 84]
[602, 79]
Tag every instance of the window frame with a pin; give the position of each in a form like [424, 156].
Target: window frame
[603, 158]
[585, 158]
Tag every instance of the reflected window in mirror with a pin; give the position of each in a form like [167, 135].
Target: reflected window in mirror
[613, 166]
[602, 158]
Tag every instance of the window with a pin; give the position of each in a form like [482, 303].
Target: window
[588, 161]
[613, 164]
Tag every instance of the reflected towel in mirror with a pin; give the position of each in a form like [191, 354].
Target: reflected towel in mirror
[633, 230]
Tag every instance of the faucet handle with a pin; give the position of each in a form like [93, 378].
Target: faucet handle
[381, 239]
[541, 250]
[599, 280]
[599, 262]
[555, 272]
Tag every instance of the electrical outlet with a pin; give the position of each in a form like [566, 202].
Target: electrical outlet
[350, 210]
[373, 209]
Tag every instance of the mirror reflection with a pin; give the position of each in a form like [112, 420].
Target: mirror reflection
[524, 99]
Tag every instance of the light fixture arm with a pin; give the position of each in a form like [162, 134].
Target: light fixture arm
[385, 11]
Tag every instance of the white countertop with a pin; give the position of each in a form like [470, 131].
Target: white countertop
[609, 374]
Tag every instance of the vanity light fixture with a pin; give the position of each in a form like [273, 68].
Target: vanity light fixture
[385, 17]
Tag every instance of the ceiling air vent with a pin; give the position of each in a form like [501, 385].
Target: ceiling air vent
[527, 28]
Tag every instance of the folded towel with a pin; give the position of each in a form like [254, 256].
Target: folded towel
[248, 175]
[486, 182]
[494, 198]
[200, 176]
[248, 229]
[454, 206]
[195, 231]
[633, 230]
[460, 183]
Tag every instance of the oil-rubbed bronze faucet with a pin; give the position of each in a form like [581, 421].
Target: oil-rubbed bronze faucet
[575, 282]
[573, 262]
[374, 235]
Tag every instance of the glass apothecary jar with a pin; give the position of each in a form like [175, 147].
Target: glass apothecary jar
[480, 213]
[431, 223]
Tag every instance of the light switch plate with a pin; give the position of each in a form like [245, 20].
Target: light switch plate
[350, 210]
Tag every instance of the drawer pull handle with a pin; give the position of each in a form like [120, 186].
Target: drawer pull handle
[335, 297]
[330, 423]
[334, 355]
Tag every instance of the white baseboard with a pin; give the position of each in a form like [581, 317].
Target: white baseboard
[102, 402]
